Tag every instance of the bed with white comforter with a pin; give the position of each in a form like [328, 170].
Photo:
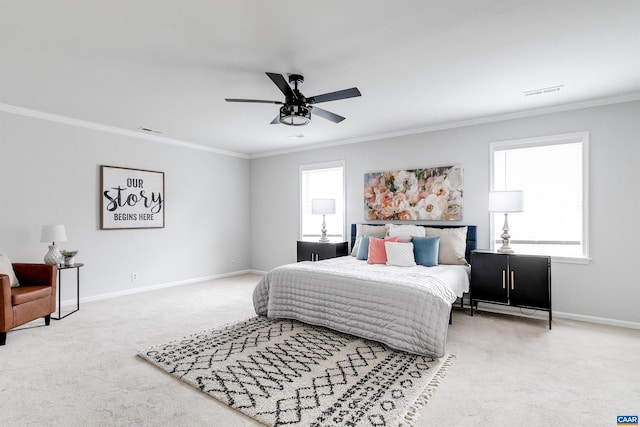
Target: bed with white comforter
[406, 308]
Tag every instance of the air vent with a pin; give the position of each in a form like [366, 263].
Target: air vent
[543, 90]
[148, 130]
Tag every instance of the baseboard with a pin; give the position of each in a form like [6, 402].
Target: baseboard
[72, 302]
[598, 320]
[543, 315]
[259, 272]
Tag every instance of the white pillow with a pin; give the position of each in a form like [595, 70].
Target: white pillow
[367, 230]
[7, 268]
[405, 230]
[453, 243]
[400, 254]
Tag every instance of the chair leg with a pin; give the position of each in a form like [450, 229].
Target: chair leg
[47, 319]
[3, 338]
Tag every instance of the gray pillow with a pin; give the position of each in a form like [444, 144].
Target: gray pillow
[453, 243]
[367, 230]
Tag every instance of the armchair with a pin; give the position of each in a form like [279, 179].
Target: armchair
[34, 298]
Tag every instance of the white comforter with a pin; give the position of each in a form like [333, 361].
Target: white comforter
[406, 308]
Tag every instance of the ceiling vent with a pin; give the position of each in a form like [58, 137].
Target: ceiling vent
[149, 130]
[543, 90]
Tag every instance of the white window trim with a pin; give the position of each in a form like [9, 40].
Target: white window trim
[566, 138]
[324, 165]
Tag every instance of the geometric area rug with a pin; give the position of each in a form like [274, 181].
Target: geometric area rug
[284, 372]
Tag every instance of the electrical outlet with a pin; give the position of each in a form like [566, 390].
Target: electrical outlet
[134, 277]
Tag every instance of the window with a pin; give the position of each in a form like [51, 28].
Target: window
[322, 181]
[553, 174]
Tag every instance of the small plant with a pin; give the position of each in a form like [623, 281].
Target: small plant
[68, 254]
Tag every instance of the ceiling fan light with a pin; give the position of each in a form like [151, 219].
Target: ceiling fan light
[294, 115]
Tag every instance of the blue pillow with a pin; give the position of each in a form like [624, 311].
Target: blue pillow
[425, 250]
[363, 250]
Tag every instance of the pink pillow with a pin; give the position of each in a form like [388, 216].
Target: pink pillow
[377, 252]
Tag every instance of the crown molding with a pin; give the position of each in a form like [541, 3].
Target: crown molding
[21, 111]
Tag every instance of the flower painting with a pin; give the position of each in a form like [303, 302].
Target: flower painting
[416, 194]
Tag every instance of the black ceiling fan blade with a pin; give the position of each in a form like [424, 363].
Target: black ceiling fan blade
[261, 101]
[326, 114]
[282, 84]
[334, 96]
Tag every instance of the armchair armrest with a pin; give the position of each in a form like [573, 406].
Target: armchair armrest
[35, 274]
[6, 315]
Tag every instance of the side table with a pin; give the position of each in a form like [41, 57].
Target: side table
[67, 267]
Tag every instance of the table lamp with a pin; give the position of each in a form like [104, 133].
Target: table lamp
[506, 201]
[323, 206]
[53, 234]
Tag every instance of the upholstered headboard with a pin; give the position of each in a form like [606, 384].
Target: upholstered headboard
[471, 236]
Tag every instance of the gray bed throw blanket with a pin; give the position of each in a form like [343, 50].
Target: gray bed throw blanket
[405, 308]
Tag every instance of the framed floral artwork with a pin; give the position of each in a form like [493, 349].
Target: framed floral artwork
[415, 194]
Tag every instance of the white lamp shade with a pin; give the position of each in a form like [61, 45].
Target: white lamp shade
[323, 206]
[506, 201]
[53, 233]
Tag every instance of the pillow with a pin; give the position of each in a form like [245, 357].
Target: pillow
[7, 268]
[399, 254]
[377, 252]
[425, 250]
[363, 249]
[405, 230]
[453, 242]
[366, 230]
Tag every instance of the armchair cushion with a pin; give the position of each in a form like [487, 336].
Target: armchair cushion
[7, 268]
[29, 293]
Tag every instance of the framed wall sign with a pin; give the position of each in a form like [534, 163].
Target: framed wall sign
[131, 198]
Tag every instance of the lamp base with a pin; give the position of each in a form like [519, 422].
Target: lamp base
[324, 238]
[505, 250]
[506, 247]
[53, 257]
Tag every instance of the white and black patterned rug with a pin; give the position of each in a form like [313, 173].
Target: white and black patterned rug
[283, 372]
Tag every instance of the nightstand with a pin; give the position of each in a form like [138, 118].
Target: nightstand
[316, 251]
[511, 279]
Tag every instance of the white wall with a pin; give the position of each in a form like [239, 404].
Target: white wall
[49, 174]
[605, 288]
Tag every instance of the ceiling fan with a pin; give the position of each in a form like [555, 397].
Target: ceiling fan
[296, 109]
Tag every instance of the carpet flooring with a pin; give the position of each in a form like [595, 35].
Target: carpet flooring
[283, 372]
[84, 370]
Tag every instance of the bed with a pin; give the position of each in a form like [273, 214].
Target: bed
[407, 308]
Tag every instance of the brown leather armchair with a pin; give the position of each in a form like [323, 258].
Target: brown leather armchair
[34, 298]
